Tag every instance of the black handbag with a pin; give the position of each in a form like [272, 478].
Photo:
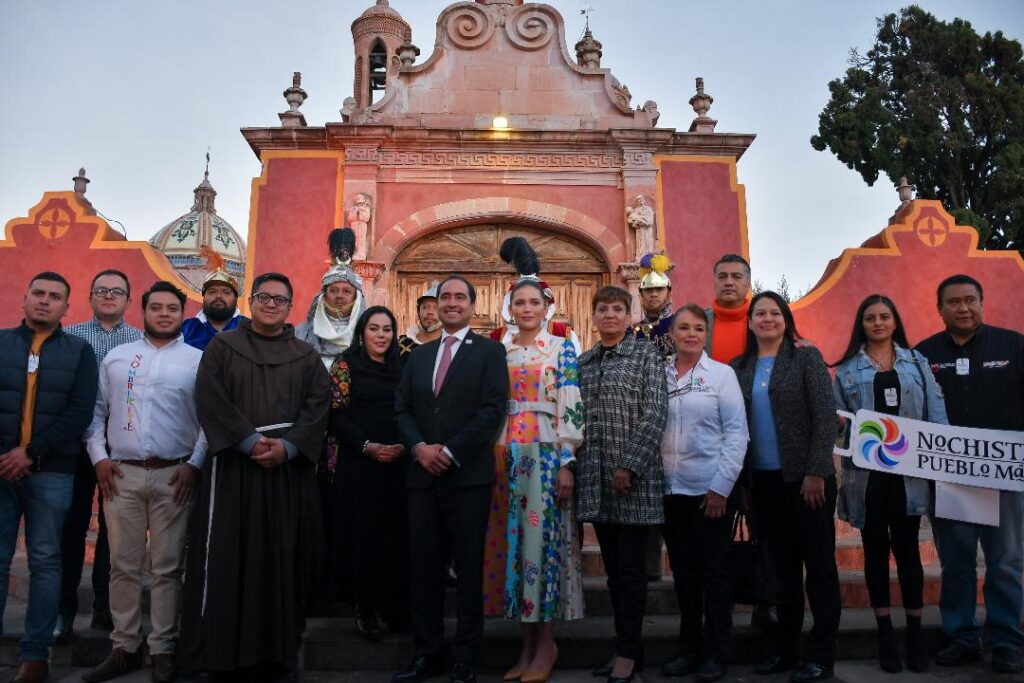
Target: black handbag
[756, 577]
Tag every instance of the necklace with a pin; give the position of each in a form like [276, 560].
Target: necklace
[879, 365]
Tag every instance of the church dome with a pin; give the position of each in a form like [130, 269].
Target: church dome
[382, 8]
[185, 239]
[382, 18]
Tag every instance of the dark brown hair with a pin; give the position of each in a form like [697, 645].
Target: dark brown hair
[610, 294]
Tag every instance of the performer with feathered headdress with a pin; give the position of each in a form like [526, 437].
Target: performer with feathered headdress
[532, 568]
[518, 253]
[656, 297]
[334, 311]
[220, 304]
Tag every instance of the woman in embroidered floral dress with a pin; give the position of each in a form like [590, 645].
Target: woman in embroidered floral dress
[532, 523]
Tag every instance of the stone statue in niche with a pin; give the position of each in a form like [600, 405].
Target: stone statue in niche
[359, 215]
[640, 217]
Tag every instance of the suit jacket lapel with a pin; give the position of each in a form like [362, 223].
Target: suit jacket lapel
[465, 348]
[426, 372]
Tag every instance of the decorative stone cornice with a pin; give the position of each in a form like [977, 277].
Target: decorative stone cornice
[629, 272]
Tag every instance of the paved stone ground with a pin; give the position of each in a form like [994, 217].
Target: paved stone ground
[846, 672]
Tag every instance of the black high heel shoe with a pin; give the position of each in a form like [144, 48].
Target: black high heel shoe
[638, 666]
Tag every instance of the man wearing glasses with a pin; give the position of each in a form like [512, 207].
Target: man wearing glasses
[109, 297]
[262, 397]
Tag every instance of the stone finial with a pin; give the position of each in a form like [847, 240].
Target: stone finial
[905, 190]
[588, 50]
[294, 96]
[701, 103]
[80, 182]
[407, 53]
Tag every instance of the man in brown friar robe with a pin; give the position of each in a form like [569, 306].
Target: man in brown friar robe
[262, 398]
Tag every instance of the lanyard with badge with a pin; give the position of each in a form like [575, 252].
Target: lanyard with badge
[33, 363]
[963, 366]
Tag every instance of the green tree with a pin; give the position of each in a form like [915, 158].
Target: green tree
[937, 103]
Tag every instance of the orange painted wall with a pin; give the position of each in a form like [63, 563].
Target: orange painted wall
[59, 235]
[914, 256]
[702, 213]
[295, 204]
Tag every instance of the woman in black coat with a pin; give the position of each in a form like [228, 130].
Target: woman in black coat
[369, 546]
[792, 415]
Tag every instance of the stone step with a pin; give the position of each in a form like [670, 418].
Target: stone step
[332, 644]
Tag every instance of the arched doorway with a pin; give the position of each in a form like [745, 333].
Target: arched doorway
[572, 269]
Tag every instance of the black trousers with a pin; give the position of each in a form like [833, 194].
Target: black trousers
[72, 545]
[441, 517]
[803, 539]
[887, 526]
[698, 550]
[623, 551]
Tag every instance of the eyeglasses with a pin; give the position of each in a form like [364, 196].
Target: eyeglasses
[104, 292]
[685, 389]
[265, 299]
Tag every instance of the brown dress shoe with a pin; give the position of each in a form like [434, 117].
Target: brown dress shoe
[32, 672]
[164, 670]
[118, 663]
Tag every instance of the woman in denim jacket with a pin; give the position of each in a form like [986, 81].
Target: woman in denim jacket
[880, 372]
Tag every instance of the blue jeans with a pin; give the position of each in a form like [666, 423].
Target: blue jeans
[957, 545]
[44, 500]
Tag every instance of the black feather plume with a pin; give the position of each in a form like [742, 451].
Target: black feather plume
[517, 252]
[342, 243]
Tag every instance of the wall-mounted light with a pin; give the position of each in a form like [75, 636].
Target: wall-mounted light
[500, 122]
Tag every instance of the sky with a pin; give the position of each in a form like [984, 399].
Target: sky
[136, 91]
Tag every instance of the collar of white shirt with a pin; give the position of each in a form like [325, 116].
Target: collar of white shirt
[176, 340]
[704, 363]
[461, 335]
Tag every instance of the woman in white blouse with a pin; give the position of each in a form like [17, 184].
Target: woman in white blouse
[702, 450]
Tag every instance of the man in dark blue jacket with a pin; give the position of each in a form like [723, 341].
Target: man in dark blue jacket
[48, 382]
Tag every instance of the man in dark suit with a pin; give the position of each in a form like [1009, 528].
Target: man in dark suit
[450, 405]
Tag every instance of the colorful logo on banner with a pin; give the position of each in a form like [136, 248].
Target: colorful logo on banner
[882, 441]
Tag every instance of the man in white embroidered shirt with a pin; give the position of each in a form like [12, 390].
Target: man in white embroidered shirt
[145, 417]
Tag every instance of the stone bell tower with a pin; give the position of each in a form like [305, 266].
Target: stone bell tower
[377, 34]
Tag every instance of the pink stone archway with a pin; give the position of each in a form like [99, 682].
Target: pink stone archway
[501, 209]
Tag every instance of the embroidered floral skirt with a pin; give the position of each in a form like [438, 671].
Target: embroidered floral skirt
[532, 569]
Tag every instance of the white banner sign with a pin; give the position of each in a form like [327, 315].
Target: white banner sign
[986, 458]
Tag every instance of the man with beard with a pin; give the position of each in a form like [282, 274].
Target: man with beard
[427, 327]
[47, 392]
[109, 297]
[656, 298]
[220, 310]
[147, 447]
[262, 398]
[335, 310]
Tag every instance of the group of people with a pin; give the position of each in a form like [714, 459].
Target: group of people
[264, 469]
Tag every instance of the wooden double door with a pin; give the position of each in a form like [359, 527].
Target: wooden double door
[573, 271]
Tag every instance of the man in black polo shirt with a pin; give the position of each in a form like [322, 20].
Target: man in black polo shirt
[981, 371]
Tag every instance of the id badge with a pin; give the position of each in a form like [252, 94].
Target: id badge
[963, 366]
[33, 363]
[891, 397]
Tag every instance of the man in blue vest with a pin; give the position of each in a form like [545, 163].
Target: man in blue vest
[220, 310]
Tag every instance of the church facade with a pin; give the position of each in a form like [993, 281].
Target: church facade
[503, 130]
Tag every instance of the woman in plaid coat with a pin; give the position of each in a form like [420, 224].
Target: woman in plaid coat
[619, 480]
